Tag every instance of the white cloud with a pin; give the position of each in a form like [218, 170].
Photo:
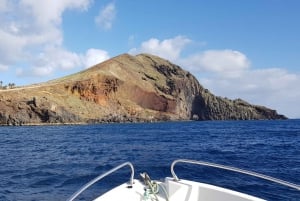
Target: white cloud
[3, 67]
[50, 60]
[168, 49]
[4, 5]
[31, 38]
[226, 62]
[46, 13]
[254, 82]
[11, 47]
[57, 59]
[29, 25]
[106, 16]
[30, 33]
[94, 56]
[35, 71]
[42, 71]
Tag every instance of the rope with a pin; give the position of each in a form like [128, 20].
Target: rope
[153, 188]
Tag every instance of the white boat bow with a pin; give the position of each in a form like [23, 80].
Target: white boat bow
[175, 189]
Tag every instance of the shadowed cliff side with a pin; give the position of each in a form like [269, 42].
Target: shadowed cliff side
[126, 88]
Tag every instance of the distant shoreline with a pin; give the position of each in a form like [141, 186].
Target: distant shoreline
[138, 122]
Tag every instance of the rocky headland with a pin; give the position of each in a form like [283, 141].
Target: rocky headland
[142, 88]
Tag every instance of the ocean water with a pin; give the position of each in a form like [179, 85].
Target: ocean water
[52, 162]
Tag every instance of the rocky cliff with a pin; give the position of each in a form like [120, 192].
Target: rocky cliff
[123, 89]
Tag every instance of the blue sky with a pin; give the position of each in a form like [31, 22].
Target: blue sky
[237, 49]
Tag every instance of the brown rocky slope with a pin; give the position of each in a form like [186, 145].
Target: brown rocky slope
[123, 89]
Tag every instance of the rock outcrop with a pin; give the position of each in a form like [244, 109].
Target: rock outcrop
[123, 89]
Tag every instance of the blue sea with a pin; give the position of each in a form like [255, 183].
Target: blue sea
[52, 162]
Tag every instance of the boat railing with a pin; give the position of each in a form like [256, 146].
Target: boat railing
[86, 186]
[203, 163]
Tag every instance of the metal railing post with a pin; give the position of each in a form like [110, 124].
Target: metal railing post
[233, 169]
[83, 188]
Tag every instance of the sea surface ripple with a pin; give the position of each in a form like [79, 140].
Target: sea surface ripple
[52, 162]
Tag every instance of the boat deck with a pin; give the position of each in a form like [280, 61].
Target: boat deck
[171, 190]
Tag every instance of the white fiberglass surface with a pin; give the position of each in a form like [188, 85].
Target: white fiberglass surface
[171, 190]
[195, 191]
